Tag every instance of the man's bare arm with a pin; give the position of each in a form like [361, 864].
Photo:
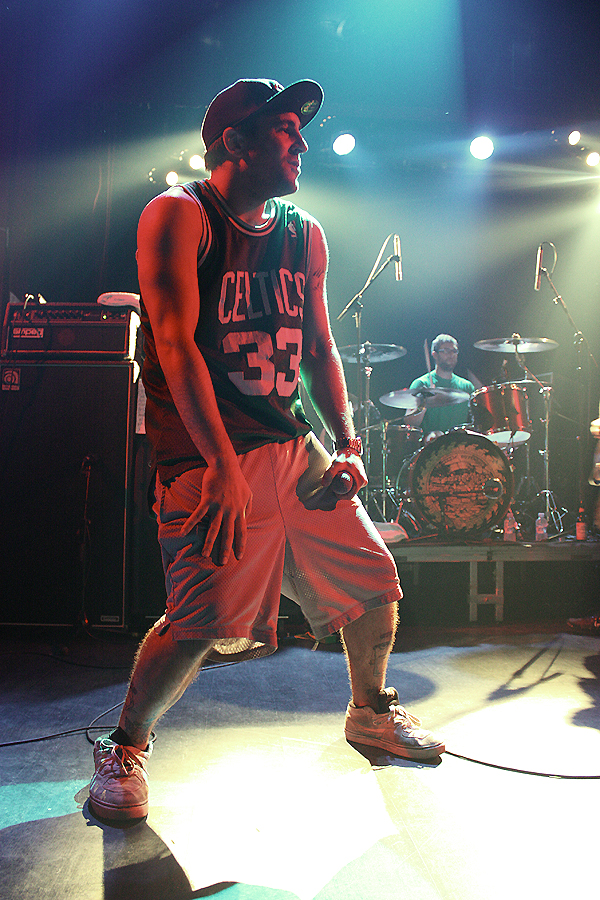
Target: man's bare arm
[168, 236]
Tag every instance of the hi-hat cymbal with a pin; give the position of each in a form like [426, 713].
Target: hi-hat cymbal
[372, 353]
[428, 397]
[516, 342]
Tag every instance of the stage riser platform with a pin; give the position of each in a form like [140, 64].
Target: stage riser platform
[454, 585]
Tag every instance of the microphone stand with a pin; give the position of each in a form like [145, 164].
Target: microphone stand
[584, 382]
[362, 358]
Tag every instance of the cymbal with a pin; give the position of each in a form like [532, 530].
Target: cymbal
[516, 342]
[428, 397]
[372, 353]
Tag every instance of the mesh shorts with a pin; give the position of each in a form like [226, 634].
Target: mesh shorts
[333, 564]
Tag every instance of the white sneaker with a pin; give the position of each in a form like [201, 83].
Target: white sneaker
[119, 787]
[394, 730]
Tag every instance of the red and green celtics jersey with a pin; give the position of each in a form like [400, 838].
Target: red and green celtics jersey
[251, 283]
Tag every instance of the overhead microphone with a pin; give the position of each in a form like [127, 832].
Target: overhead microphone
[538, 268]
[397, 258]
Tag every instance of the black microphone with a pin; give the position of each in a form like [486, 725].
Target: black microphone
[538, 268]
[342, 483]
[397, 257]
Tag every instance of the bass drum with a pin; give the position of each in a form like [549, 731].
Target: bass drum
[460, 483]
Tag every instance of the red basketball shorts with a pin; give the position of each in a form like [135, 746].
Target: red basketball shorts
[333, 564]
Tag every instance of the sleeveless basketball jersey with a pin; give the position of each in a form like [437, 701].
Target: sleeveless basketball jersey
[251, 283]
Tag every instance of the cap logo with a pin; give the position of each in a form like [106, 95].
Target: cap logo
[310, 106]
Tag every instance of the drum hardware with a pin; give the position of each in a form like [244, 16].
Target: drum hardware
[384, 478]
[390, 444]
[545, 390]
[493, 488]
[584, 358]
[374, 413]
[366, 354]
[527, 485]
[514, 402]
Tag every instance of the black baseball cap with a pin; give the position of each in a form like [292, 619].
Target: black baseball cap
[247, 97]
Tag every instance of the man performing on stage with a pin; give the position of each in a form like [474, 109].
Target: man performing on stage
[249, 503]
[437, 420]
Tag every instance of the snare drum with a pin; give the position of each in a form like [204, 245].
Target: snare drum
[501, 413]
[461, 483]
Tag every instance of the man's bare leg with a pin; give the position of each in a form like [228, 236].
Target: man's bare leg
[368, 642]
[163, 669]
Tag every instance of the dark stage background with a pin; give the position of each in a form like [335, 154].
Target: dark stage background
[96, 95]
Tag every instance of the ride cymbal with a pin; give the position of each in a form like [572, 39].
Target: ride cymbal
[516, 342]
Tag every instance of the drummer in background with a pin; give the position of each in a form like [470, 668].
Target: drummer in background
[437, 420]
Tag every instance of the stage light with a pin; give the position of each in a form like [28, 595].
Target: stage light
[482, 147]
[574, 138]
[196, 162]
[171, 178]
[592, 159]
[344, 144]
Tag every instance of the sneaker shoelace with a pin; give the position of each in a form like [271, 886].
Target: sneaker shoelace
[400, 716]
[118, 762]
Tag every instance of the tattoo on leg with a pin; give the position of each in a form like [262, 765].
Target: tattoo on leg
[137, 728]
[380, 654]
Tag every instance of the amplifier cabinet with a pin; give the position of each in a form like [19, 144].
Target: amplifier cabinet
[66, 331]
[66, 443]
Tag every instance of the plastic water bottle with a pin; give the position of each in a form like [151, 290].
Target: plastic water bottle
[541, 527]
[581, 525]
[510, 527]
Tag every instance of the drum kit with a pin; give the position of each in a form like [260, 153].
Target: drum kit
[462, 481]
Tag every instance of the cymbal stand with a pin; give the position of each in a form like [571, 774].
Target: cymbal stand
[384, 468]
[545, 391]
[584, 392]
[527, 480]
[356, 307]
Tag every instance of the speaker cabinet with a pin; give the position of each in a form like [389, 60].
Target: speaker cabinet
[66, 446]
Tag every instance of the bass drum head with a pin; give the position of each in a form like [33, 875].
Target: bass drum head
[461, 483]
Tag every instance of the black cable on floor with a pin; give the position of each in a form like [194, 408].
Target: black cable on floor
[48, 737]
[481, 762]
[85, 729]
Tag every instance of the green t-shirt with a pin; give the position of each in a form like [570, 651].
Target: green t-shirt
[443, 418]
